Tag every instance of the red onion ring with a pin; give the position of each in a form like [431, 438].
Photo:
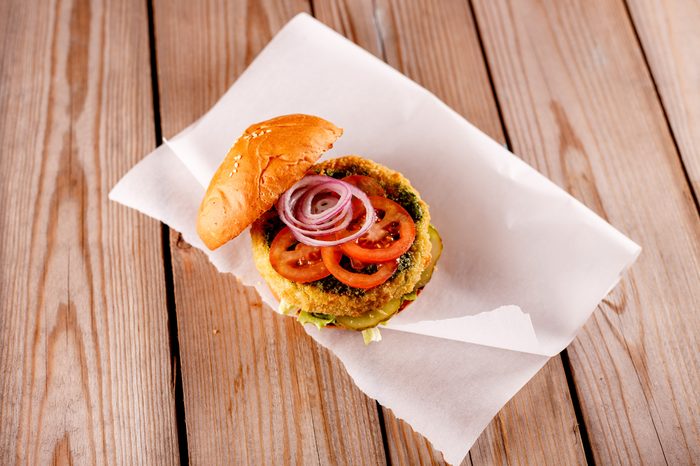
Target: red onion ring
[306, 213]
[301, 210]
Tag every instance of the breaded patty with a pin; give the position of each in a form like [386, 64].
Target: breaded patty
[328, 295]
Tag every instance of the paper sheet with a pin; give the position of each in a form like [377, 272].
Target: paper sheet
[524, 263]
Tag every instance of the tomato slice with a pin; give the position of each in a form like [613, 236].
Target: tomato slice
[369, 185]
[389, 237]
[331, 258]
[296, 261]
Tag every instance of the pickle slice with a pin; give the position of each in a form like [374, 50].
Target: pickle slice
[435, 252]
[370, 319]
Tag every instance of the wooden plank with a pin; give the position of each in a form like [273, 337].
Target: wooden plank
[257, 389]
[579, 104]
[441, 51]
[85, 361]
[670, 36]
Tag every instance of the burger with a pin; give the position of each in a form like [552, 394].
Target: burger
[344, 243]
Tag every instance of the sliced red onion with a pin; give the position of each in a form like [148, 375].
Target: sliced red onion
[309, 209]
[316, 231]
[345, 197]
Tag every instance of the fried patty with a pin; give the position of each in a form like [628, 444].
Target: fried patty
[328, 295]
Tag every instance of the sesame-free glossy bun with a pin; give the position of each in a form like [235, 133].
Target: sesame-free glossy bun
[263, 163]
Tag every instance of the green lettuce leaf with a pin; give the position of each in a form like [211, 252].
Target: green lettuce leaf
[371, 334]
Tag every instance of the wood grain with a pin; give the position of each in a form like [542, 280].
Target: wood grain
[257, 389]
[435, 43]
[670, 37]
[84, 356]
[579, 105]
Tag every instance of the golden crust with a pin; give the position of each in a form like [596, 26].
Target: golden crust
[263, 163]
[310, 297]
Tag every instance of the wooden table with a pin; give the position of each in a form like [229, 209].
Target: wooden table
[120, 344]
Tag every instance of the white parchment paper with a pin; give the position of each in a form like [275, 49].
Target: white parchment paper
[524, 264]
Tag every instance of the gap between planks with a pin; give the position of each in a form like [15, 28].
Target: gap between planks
[176, 383]
[664, 111]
